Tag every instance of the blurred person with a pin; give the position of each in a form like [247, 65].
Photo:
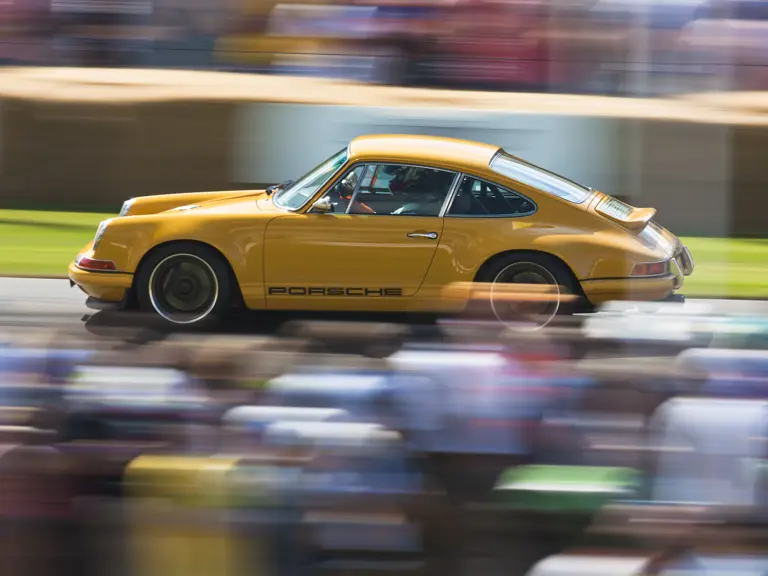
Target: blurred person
[726, 373]
[220, 372]
[31, 393]
[404, 33]
[495, 46]
[362, 395]
[711, 450]
[35, 512]
[475, 436]
[186, 33]
[267, 488]
[25, 27]
[94, 33]
[361, 489]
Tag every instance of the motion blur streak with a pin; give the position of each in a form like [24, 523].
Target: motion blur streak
[529, 436]
[581, 446]
[641, 47]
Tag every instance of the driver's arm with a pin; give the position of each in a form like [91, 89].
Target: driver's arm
[360, 208]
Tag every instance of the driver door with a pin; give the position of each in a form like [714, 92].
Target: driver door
[371, 253]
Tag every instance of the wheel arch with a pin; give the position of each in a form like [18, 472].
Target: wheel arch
[490, 262]
[238, 296]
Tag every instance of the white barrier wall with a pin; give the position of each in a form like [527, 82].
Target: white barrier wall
[276, 142]
[682, 169]
[103, 136]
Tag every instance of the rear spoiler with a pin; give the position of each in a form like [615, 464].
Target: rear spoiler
[635, 220]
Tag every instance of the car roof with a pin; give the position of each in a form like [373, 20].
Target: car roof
[430, 150]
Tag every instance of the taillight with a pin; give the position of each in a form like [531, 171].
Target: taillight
[650, 268]
[96, 265]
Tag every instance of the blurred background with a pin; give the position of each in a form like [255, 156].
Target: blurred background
[637, 47]
[629, 441]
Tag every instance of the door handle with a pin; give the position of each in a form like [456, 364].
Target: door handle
[430, 235]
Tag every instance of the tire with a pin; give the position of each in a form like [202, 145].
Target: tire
[198, 296]
[528, 268]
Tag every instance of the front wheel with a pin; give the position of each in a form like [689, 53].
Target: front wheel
[186, 284]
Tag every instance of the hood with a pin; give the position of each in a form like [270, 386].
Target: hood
[145, 205]
[256, 202]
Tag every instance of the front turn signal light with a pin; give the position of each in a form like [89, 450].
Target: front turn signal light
[650, 268]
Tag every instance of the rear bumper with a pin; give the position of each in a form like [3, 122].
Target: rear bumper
[102, 286]
[674, 298]
[599, 291]
[652, 289]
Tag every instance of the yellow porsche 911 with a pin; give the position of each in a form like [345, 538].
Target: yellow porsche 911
[387, 224]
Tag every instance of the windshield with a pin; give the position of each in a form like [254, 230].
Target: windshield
[294, 197]
[539, 178]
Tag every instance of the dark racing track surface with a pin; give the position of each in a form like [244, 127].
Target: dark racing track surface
[54, 305]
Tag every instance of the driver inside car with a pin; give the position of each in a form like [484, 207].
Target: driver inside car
[346, 190]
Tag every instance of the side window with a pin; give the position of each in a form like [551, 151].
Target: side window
[478, 198]
[341, 193]
[402, 190]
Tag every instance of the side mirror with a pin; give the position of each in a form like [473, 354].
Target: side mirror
[323, 206]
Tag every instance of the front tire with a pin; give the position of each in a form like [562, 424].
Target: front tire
[186, 284]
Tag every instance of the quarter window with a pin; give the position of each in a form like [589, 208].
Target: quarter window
[540, 179]
[478, 198]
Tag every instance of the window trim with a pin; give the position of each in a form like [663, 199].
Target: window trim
[501, 152]
[443, 209]
[309, 202]
[357, 186]
[492, 183]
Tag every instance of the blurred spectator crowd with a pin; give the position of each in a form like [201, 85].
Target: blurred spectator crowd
[626, 47]
[454, 455]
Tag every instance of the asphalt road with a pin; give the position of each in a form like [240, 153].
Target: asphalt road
[53, 304]
[34, 301]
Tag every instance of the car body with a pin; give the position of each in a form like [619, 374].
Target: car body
[386, 224]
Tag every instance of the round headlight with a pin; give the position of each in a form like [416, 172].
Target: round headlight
[126, 207]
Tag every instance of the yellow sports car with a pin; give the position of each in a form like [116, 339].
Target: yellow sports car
[387, 224]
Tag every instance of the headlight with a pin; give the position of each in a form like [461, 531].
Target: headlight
[126, 207]
[100, 232]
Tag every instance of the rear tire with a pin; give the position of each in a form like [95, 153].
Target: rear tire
[186, 284]
[528, 268]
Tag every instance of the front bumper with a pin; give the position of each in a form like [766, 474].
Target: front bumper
[102, 286]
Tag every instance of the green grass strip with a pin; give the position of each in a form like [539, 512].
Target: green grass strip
[43, 243]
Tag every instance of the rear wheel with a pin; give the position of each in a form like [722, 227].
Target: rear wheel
[527, 291]
[186, 284]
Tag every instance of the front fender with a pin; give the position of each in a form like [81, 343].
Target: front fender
[239, 238]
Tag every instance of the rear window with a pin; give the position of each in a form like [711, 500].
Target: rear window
[540, 179]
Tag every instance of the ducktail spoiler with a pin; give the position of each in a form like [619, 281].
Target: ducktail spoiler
[634, 219]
